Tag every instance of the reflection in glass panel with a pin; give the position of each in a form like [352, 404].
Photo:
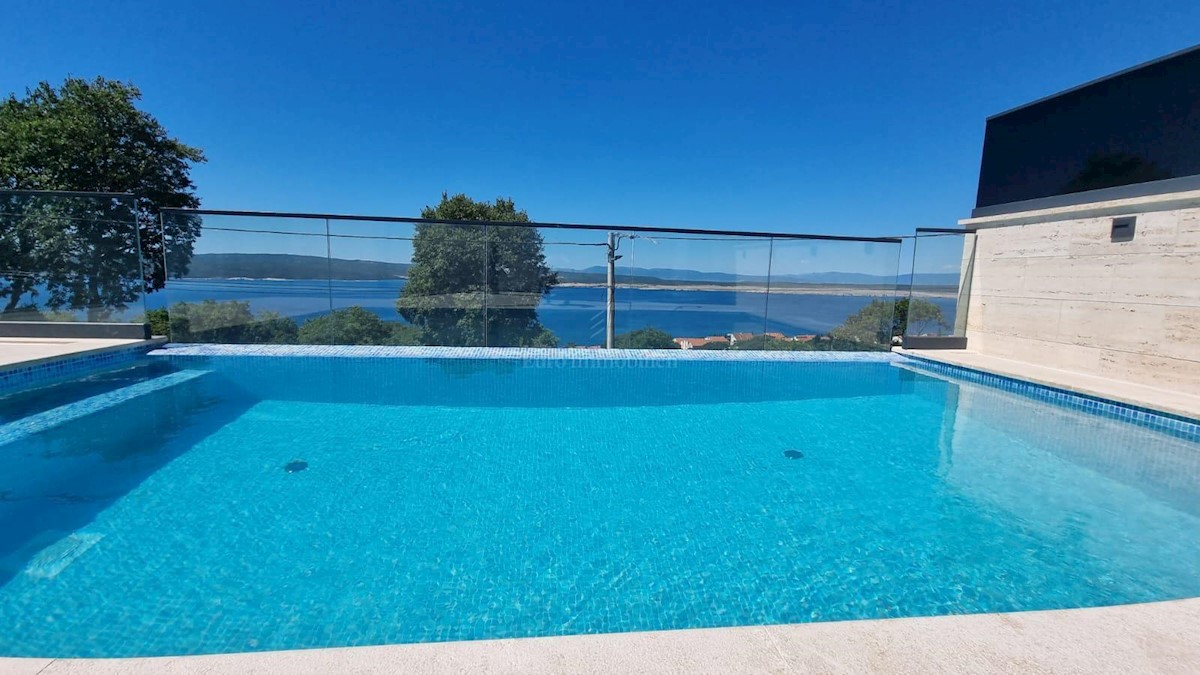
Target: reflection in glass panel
[830, 294]
[443, 296]
[69, 257]
[245, 279]
[552, 297]
[939, 286]
[369, 263]
[692, 291]
[249, 279]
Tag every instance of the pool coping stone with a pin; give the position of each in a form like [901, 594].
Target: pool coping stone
[1157, 637]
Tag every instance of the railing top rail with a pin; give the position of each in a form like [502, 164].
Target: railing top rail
[65, 193]
[562, 226]
[945, 230]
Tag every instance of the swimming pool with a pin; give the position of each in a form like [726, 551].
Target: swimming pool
[284, 498]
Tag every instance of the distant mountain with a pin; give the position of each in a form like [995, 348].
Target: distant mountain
[930, 279]
[670, 274]
[290, 266]
[696, 276]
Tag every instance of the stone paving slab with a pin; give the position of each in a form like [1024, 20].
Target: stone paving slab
[1146, 638]
[15, 351]
[1175, 402]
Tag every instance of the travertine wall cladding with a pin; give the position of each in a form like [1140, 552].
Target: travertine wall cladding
[1062, 294]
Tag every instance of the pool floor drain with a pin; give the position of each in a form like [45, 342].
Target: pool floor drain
[793, 454]
[295, 466]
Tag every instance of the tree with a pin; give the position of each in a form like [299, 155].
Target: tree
[229, 322]
[159, 320]
[871, 326]
[356, 326]
[917, 317]
[645, 338]
[90, 136]
[350, 326]
[874, 325]
[402, 335]
[476, 285]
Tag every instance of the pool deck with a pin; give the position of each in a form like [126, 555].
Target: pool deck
[1147, 638]
[1185, 404]
[29, 351]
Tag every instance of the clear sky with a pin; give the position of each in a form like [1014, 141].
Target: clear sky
[841, 118]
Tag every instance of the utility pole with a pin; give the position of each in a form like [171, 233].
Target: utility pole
[611, 309]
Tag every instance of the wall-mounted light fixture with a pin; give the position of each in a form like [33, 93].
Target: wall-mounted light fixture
[1123, 228]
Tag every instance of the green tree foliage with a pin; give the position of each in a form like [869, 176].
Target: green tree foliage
[159, 320]
[233, 322]
[644, 338]
[900, 317]
[89, 136]
[356, 326]
[350, 326]
[229, 322]
[919, 317]
[472, 285]
[869, 327]
[403, 335]
[874, 325]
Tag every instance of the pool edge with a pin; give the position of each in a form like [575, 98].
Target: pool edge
[1146, 637]
[514, 353]
[1167, 421]
[44, 371]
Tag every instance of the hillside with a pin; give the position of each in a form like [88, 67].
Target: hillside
[818, 278]
[290, 266]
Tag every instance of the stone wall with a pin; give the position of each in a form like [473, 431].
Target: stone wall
[1054, 289]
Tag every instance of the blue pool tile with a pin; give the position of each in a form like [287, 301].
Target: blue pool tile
[1152, 419]
[22, 377]
[517, 353]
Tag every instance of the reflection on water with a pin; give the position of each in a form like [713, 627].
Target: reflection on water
[56, 481]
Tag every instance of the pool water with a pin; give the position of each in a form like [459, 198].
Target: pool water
[284, 503]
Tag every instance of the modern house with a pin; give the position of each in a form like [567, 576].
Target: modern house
[1083, 251]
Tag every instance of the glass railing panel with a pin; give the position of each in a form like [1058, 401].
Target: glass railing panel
[832, 294]
[692, 291]
[939, 287]
[398, 283]
[335, 280]
[369, 263]
[444, 295]
[243, 279]
[70, 257]
[547, 287]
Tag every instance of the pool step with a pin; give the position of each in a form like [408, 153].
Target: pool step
[38, 422]
[55, 558]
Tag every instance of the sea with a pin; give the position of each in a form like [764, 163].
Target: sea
[575, 314]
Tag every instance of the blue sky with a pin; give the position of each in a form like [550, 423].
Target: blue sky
[839, 118]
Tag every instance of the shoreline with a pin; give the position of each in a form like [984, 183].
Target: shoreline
[838, 290]
[855, 291]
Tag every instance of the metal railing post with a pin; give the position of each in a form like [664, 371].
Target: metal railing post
[611, 308]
